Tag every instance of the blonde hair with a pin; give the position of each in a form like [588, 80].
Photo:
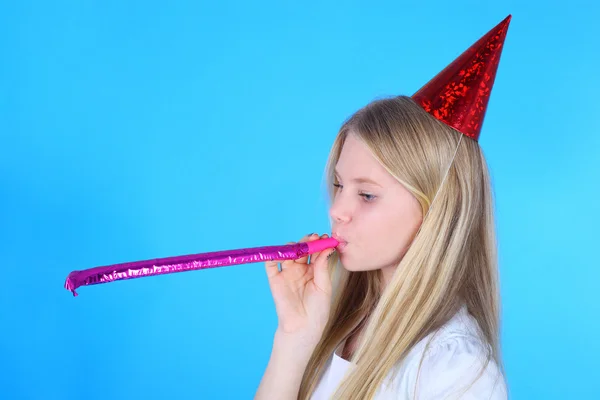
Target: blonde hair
[451, 261]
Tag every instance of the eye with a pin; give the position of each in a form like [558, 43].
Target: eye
[368, 197]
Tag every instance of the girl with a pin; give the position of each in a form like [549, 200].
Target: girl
[407, 305]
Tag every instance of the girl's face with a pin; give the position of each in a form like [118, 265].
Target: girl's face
[373, 216]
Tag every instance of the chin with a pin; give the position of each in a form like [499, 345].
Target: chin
[352, 267]
[346, 265]
[358, 266]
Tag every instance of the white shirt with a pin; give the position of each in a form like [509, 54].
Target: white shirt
[453, 361]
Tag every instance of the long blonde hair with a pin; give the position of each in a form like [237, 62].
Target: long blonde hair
[452, 259]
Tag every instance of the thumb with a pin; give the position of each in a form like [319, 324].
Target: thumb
[321, 270]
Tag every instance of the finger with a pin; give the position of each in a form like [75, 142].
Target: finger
[307, 238]
[287, 264]
[272, 268]
[321, 270]
[319, 256]
[316, 254]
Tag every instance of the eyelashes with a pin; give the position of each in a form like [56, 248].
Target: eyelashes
[366, 196]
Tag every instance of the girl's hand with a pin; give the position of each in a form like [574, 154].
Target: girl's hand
[302, 292]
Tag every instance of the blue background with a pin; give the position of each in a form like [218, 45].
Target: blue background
[135, 130]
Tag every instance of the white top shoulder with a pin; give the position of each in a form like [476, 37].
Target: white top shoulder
[455, 366]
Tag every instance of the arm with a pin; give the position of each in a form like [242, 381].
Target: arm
[289, 358]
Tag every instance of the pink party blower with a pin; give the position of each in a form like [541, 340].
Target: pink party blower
[169, 265]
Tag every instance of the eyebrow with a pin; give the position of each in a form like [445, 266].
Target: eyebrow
[361, 179]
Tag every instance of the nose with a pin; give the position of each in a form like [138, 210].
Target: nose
[338, 212]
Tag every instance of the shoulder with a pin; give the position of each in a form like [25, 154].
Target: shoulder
[458, 366]
[455, 363]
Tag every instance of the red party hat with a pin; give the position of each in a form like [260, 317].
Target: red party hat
[459, 94]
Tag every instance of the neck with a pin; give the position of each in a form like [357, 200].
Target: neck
[386, 275]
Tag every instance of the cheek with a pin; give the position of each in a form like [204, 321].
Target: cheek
[389, 236]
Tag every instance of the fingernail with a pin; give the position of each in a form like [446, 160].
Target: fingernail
[330, 254]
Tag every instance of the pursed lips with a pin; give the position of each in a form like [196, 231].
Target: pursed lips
[342, 242]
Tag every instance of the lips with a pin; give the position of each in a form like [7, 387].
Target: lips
[342, 242]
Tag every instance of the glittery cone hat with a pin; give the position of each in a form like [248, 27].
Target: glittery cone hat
[459, 94]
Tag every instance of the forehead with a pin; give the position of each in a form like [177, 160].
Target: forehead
[356, 160]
